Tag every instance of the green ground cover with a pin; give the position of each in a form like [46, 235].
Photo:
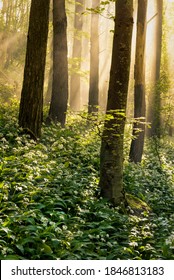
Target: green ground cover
[49, 204]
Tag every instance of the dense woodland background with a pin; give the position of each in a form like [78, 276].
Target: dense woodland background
[86, 129]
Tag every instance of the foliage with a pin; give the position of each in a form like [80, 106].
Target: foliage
[74, 67]
[153, 182]
[50, 207]
[6, 92]
[102, 9]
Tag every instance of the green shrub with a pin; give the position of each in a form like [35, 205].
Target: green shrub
[49, 208]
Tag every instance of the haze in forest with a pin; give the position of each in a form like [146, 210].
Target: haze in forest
[149, 71]
[86, 130]
[11, 42]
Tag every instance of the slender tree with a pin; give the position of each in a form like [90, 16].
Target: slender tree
[137, 143]
[111, 155]
[48, 94]
[31, 104]
[94, 61]
[76, 57]
[154, 107]
[59, 100]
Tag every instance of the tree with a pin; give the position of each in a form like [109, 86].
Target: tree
[155, 99]
[31, 103]
[94, 61]
[111, 155]
[137, 143]
[76, 57]
[48, 93]
[59, 99]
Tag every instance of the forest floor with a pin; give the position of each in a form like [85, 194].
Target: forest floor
[50, 207]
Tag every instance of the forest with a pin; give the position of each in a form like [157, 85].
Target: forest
[86, 130]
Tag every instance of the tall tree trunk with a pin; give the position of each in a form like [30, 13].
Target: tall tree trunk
[76, 57]
[48, 93]
[31, 104]
[49, 86]
[111, 155]
[137, 143]
[94, 61]
[155, 100]
[59, 99]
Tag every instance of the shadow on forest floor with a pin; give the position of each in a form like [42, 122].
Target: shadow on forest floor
[49, 208]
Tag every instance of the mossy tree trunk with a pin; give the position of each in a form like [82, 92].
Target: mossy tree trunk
[59, 99]
[137, 143]
[31, 103]
[94, 61]
[111, 155]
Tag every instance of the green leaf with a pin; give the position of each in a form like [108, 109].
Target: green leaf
[12, 257]
[46, 248]
[20, 247]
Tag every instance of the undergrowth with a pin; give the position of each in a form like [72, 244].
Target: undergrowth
[49, 205]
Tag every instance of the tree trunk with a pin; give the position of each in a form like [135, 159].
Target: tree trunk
[31, 104]
[155, 100]
[76, 57]
[111, 155]
[94, 61]
[59, 99]
[48, 93]
[137, 143]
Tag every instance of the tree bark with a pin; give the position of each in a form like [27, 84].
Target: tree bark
[75, 102]
[94, 61]
[111, 155]
[137, 143]
[59, 99]
[31, 104]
